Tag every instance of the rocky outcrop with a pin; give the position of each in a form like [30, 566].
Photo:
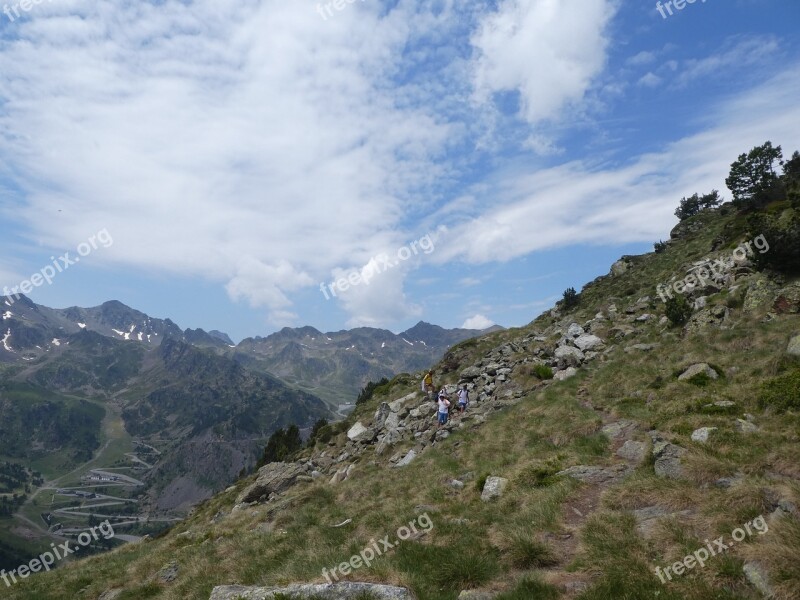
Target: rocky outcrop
[273, 478]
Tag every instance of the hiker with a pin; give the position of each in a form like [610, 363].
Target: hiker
[427, 383]
[444, 408]
[463, 399]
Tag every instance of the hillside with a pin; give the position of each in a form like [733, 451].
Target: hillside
[649, 441]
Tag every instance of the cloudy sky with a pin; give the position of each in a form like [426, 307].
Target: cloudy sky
[241, 154]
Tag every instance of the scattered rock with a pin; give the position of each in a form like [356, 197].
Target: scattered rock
[575, 330]
[701, 435]
[588, 342]
[273, 478]
[758, 578]
[565, 374]
[456, 484]
[471, 373]
[596, 475]
[636, 452]
[647, 518]
[168, 573]
[407, 459]
[794, 346]
[698, 369]
[668, 459]
[360, 433]
[745, 426]
[641, 347]
[110, 594]
[618, 429]
[493, 488]
[569, 356]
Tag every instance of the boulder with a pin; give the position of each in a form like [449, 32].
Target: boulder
[493, 488]
[636, 452]
[588, 342]
[668, 459]
[575, 330]
[407, 459]
[360, 433]
[701, 435]
[380, 415]
[273, 478]
[794, 346]
[698, 369]
[758, 578]
[565, 374]
[569, 356]
[470, 373]
[319, 591]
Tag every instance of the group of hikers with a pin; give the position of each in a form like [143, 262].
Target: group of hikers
[443, 399]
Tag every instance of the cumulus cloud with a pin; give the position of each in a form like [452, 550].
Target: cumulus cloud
[477, 322]
[260, 150]
[549, 52]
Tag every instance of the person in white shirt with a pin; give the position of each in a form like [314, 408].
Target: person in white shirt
[463, 399]
[444, 407]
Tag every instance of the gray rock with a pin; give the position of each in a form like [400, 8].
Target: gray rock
[699, 368]
[336, 591]
[794, 346]
[456, 484]
[636, 452]
[596, 475]
[471, 373]
[619, 429]
[668, 459]
[493, 488]
[380, 416]
[360, 433]
[745, 426]
[758, 578]
[273, 478]
[701, 435]
[407, 459]
[569, 356]
[168, 573]
[641, 347]
[575, 330]
[647, 518]
[588, 342]
[565, 374]
[110, 594]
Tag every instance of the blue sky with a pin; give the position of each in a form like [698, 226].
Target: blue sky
[240, 154]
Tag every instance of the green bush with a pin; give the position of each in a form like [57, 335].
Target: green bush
[781, 393]
[571, 299]
[660, 247]
[543, 371]
[678, 310]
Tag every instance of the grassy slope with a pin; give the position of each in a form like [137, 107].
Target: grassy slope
[521, 544]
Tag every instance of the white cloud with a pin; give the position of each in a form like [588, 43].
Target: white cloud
[550, 52]
[650, 80]
[518, 212]
[249, 143]
[642, 58]
[477, 322]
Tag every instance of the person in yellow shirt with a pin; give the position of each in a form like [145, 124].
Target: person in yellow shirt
[429, 384]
